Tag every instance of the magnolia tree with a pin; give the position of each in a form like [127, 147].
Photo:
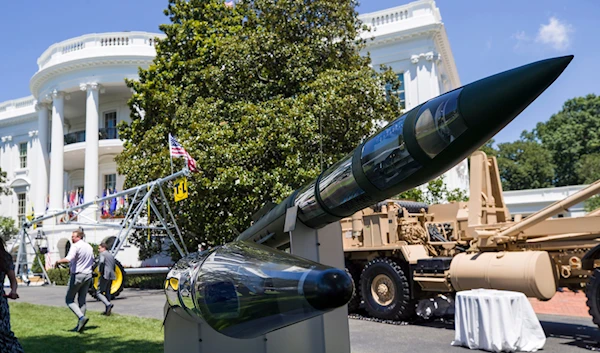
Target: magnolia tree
[263, 94]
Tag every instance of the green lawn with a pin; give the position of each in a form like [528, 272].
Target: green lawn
[45, 329]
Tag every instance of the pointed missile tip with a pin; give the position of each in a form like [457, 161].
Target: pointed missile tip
[492, 102]
[561, 61]
[567, 59]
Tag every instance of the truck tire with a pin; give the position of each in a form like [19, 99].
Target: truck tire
[592, 292]
[117, 284]
[386, 291]
[354, 272]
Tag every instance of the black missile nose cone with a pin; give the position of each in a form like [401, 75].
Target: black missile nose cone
[491, 103]
[328, 289]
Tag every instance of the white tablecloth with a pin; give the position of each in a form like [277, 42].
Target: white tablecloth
[496, 321]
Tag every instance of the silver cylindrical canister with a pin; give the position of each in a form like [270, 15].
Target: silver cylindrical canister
[244, 289]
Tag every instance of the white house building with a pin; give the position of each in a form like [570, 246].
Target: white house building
[58, 145]
[62, 140]
[526, 202]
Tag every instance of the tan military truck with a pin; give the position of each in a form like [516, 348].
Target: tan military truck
[399, 252]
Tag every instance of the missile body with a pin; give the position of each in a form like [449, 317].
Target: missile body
[417, 147]
[244, 289]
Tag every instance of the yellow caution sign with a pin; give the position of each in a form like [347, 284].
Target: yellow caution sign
[31, 216]
[181, 189]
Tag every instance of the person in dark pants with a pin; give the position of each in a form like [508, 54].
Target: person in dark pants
[81, 259]
[106, 266]
[8, 342]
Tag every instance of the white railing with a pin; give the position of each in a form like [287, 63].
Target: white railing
[17, 103]
[383, 19]
[88, 41]
[114, 41]
[400, 13]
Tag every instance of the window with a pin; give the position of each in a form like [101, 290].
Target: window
[399, 92]
[23, 155]
[110, 182]
[22, 197]
[110, 125]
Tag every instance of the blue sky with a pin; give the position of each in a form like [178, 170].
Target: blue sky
[486, 37]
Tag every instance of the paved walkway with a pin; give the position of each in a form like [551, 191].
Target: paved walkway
[565, 334]
[144, 303]
[565, 303]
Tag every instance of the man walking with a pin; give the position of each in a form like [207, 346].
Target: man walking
[106, 266]
[81, 261]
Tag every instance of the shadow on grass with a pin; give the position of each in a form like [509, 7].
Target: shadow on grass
[87, 342]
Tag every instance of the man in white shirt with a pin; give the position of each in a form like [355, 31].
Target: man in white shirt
[81, 261]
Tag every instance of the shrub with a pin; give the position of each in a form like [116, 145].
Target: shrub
[36, 268]
[59, 276]
[7, 225]
[150, 281]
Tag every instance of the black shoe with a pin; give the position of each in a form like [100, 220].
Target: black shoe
[81, 324]
[108, 309]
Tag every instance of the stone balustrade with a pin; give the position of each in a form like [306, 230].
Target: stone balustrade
[400, 13]
[17, 103]
[388, 18]
[54, 54]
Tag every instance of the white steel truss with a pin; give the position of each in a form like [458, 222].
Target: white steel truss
[141, 203]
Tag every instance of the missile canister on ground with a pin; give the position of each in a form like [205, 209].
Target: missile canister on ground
[417, 147]
[244, 290]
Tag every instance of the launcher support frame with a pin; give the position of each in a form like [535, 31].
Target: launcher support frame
[141, 198]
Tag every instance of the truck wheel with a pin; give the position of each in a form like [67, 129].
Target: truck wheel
[354, 272]
[592, 292]
[386, 291]
[117, 284]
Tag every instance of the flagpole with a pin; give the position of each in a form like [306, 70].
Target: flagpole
[170, 153]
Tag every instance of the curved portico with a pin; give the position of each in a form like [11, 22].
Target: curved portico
[81, 97]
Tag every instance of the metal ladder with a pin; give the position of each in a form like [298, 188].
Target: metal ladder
[23, 241]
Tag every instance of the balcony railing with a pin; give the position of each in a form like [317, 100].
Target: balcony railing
[108, 133]
[128, 41]
[75, 137]
[103, 134]
[17, 103]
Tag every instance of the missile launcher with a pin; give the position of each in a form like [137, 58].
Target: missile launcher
[247, 288]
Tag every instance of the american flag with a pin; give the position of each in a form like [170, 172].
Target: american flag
[177, 151]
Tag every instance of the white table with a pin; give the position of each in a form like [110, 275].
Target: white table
[496, 321]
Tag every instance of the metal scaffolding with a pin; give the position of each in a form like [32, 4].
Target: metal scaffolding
[141, 203]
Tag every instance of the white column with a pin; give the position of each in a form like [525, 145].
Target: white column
[427, 81]
[41, 152]
[428, 87]
[91, 146]
[57, 153]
